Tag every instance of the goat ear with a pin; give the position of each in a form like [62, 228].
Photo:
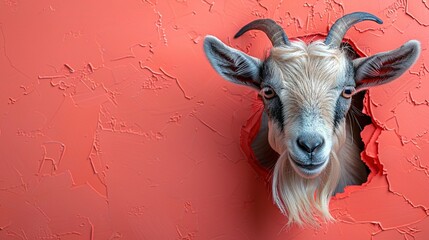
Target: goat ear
[386, 66]
[232, 64]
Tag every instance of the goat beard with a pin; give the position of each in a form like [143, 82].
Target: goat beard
[304, 201]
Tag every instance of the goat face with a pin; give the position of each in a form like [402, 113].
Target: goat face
[307, 89]
[306, 92]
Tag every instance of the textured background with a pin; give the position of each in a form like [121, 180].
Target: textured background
[114, 126]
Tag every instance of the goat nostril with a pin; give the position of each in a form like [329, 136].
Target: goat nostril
[310, 143]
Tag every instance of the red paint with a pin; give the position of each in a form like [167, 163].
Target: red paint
[114, 126]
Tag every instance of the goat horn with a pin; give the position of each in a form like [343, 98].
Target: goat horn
[340, 27]
[274, 32]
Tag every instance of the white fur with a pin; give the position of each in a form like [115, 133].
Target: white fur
[311, 74]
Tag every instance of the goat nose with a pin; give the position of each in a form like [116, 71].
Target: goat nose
[310, 143]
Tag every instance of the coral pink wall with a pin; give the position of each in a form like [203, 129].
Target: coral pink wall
[114, 126]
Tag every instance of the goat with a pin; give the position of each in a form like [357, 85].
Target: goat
[306, 90]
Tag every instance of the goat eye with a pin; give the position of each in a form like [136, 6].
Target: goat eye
[348, 92]
[267, 93]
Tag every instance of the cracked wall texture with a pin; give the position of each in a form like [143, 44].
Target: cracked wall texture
[114, 126]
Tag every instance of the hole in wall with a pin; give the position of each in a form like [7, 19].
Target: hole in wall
[254, 133]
